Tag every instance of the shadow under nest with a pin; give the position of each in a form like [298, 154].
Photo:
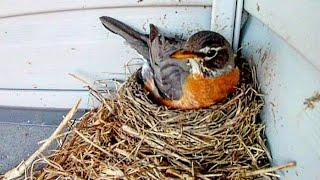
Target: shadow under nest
[130, 137]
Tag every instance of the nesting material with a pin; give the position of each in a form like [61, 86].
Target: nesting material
[130, 137]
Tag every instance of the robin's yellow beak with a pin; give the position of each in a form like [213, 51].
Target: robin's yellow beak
[185, 55]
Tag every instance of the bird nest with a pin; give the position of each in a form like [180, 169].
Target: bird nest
[130, 137]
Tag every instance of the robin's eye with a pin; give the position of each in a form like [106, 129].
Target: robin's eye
[211, 53]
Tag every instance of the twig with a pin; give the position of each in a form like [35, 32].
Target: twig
[91, 87]
[80, 79]
[92, 143]
[20, 169]
[267, 170]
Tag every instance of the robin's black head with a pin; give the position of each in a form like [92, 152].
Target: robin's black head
[211, 48]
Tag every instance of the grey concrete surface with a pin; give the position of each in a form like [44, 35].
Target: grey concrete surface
[18, 141]
[22, 128]
[34, 116]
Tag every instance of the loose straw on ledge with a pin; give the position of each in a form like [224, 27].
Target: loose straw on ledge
[20, 169]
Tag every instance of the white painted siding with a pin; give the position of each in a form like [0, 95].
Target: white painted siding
[283, 40]
[42, 42]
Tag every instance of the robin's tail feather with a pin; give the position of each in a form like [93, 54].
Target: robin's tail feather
[136, 40]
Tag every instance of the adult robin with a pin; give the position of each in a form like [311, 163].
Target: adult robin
[182, 74]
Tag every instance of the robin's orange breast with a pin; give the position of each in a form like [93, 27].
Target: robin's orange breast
[204, 91]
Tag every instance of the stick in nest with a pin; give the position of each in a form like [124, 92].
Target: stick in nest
[271, 169]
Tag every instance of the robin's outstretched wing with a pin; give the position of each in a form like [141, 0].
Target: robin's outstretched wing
[169, 74]
[165, 75]
[136, 40]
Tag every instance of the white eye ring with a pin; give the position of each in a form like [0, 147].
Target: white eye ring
[207, 49]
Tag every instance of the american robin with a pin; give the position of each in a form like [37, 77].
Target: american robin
[182, 74]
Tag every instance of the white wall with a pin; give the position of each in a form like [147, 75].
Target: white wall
[42, 42]
[283, 40]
